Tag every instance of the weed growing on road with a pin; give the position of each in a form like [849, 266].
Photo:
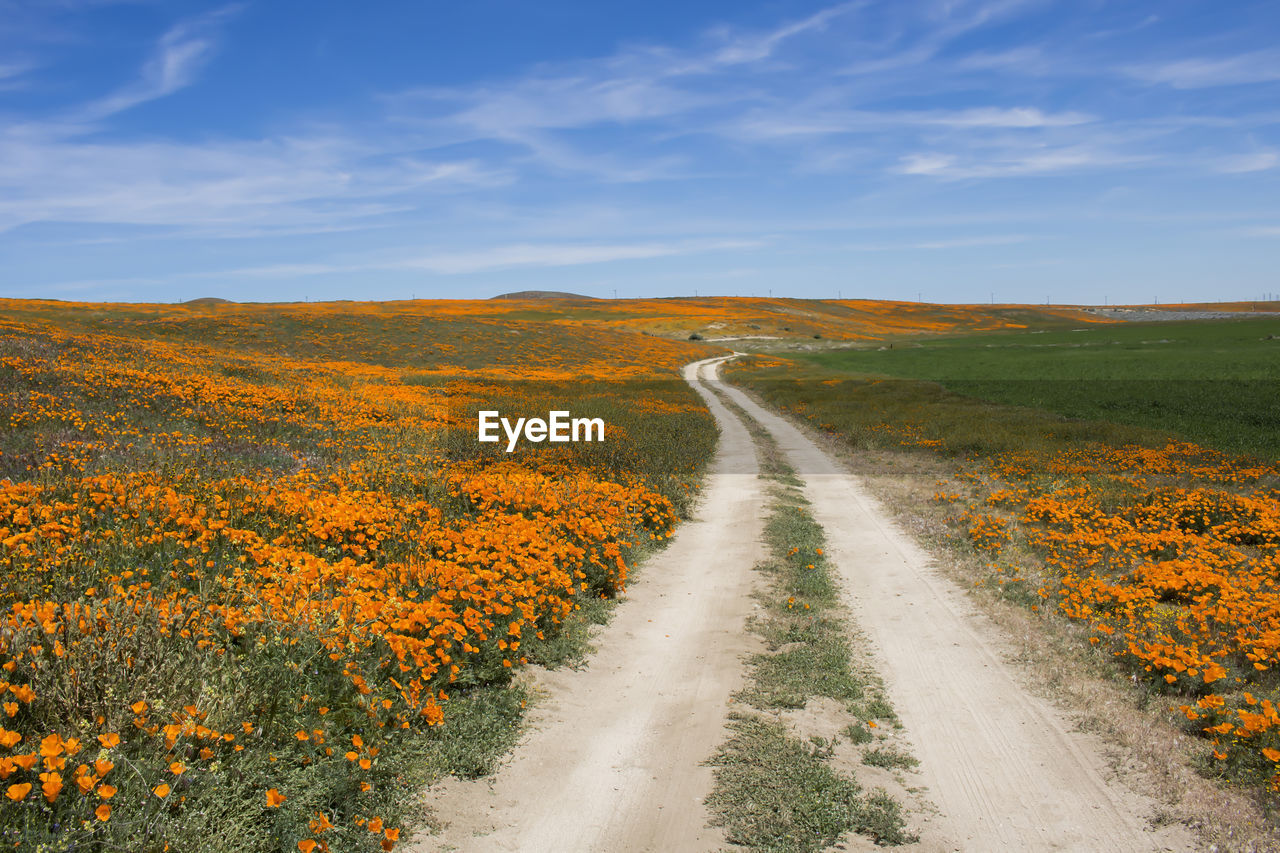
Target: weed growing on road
[775, 790]
[809, 653]
[773, 794]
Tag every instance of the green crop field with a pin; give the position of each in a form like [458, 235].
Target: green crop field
[1213, 382]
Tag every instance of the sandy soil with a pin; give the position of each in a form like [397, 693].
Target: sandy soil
[1001, 765]
[613, 759]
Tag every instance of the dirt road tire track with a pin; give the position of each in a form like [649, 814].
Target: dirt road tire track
[1002, 766]
[613, 758]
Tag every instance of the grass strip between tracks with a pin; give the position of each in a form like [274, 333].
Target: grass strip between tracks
[778, 787]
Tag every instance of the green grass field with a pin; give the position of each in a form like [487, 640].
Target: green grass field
[1212, 382]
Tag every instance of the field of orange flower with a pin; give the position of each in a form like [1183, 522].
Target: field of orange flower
[1168, 552]
[1171, 557]
[839, 320]
[259, 579]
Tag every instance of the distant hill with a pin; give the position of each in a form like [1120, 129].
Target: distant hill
[544, 294]
[208, 300]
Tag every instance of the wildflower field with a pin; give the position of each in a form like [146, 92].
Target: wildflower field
[261, 584]
[260, 580]
[800, 319]
[1151, 522]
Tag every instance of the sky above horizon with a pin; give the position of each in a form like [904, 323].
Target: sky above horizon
[951, 151]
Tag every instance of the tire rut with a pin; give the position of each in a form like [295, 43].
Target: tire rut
[1001, 765]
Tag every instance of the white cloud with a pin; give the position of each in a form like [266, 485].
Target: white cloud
[943, 245]
[12, 74]
[972, 242]
[453, 262]
[817, 119]
[927, 164]
[923, 30]
[1026, 117]
[286, 183]
[1012, 162]
[1258, 161]
[635, 85]
[1021, 59]
[563, 255]
[753, 48]
[1257, 67]
[179, 56]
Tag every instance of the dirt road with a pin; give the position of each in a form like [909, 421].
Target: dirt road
[613, 761]
[1001, 765]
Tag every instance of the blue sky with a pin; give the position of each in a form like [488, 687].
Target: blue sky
[949, 150]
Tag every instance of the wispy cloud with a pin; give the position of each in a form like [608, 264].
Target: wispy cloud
[918, 33]
[178, 58]
[545, 255]
[447, 262]
[1261, 66]
[636, 85]
[282, 183]
[1008, 117]
[1013, 163]
[943, 245]
[814, 118]
[1258, 161]
[13, 74]
[755, 47]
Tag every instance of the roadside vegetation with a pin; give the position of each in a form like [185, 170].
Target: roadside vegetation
[1163, 553]
[779, 785]
[259, 579]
